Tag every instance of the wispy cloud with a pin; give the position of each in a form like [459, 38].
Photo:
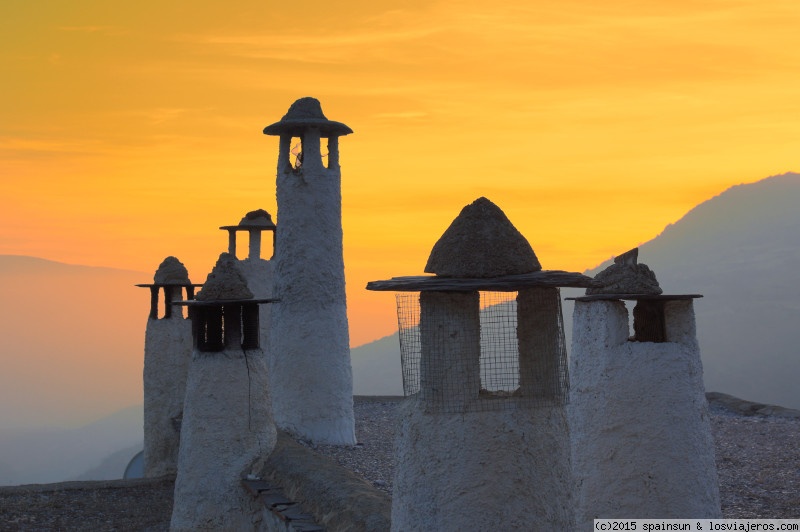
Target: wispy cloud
[576, 45]
[361, 45]
[104, 30]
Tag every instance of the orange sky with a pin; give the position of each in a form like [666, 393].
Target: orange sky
[131, 131]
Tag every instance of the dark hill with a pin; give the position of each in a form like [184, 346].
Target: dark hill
[741, 250]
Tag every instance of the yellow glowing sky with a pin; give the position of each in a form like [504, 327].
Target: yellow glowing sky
[130, 131]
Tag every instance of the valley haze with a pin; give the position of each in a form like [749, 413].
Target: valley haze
[74, 335]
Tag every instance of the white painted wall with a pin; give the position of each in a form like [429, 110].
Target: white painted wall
[167, 352]
[227, 429]
[641, 439]
[482, 471]
[309, 358]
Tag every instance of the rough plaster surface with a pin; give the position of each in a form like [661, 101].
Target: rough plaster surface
[227, 430]
[309, 358]
[450, 369]
[481, 242]
[257, 218]
[167, 352]
[258, 275]
[542, 350]
[171, 271]
[626, 279]
[225, 281]
[338, 499]
[507, 470]
[641, 438]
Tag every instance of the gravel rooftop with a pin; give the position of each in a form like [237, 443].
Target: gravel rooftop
[758, 461]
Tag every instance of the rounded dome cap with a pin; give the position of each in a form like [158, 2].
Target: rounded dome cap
[171, 271]
[257, 218]
[304, 113]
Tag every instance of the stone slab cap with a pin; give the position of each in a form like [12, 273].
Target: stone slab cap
[303, 114]
[225, 282]
[626, 276]
[482, 242]
[259, 219]
[171, 271]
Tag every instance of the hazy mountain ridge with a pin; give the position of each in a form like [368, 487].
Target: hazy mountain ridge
[27, 265]
[113, 466]
[376, 367]
[72, 353]
[53, 454]
[74, 334]
[741, 251]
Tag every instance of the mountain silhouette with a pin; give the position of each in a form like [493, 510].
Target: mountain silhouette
[73, 341]
[54, 455]
[74, 335]
[741, 250]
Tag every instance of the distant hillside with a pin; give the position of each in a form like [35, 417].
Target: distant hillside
[113, 466]
[741, 250]
[73, 341]
[376, 367]
[53, 455]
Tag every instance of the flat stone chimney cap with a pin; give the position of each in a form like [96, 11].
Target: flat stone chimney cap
[480, 243]
[254, 219]
[303, 114]
[171, 271]
[225, 282]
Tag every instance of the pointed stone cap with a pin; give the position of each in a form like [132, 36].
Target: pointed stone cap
[626, 276]
[171, 271]
[225, 282]
[482, 242]
[303, 114]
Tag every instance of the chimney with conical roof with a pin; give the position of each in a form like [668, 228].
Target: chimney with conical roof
[227, 420]
[482, 440]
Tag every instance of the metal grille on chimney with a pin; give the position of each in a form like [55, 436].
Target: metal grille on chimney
[506, 377]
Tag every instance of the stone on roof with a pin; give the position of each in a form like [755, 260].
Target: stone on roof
[171, 271]
[482, 242]
[225, 282]
[257, 218]
[626, 276]
[304, 113]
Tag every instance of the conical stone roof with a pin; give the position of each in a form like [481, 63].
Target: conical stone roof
[171, 271]
[225, 282]
[482, 242]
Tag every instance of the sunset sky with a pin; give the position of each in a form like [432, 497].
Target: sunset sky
[130, 131]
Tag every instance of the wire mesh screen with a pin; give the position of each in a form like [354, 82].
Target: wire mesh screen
[499, 345]
[464, 352]
[410, 347]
